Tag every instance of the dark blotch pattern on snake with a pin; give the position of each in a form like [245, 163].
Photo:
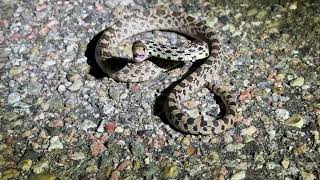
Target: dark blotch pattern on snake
[135, 22]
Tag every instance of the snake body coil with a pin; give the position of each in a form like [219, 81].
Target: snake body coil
[137, 22]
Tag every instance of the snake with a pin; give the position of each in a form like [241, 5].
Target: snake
[139, 69]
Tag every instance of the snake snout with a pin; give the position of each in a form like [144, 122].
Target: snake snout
[137, 57]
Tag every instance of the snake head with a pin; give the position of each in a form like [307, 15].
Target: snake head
[139, 51]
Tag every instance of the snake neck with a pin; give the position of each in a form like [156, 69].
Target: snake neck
[190, 51]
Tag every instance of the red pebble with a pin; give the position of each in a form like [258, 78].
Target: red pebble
[97, 147]
[110, 127]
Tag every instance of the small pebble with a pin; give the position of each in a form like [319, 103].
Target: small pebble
[43, 176]
[252, 12]
[293, 6]
[186, 141]
[213, 157]
[118, 129]
[27, 133]
[248, 131]
[234, 147]
[40, 166]
[110, 127]
[297, 82]
[55, 143]
[77, 156]
[285, 163]
[190, 151]
[308, 176]
[227, 138]
[282, 114]
[61, 88]
[299, 150]
[169, 171]
[2, 160]
[10, 174]
[14, 71]
[272, 165]
[137, 149]
[73, 77]
[10, 116]
[76, 85]
[271, 133]
[14, 98]
[136, 165]
[149, 170]
[97, 147]
[239, 175]
[88, 124]
[261, 14]
[25, 165]
[295, 121]
[107, 108]
[34, 88]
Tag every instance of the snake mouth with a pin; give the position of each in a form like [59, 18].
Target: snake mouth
[139, 57]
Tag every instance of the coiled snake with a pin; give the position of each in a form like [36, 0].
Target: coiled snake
[138, 22]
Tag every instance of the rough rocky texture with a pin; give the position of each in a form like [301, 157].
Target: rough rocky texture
[60, 117]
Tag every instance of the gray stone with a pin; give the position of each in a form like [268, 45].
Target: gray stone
[61, 88]
[137, 149]
[34, 88]
[115, 93]
[88, 124]
[76, 85]
[14, 97]
[107, 108]
[282, 114]
[149, 170]
[56, 103]
[55, 143]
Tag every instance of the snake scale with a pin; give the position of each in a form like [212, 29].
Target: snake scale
[136, 22]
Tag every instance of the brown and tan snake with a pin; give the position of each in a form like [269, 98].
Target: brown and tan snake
[138, 22]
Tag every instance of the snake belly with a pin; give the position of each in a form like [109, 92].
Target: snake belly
[135, 22]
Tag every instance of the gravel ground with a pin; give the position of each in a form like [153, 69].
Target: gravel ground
[61, 118]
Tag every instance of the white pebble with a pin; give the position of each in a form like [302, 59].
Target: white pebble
[282, 114]
[293, 6]
[118, 129]
[107, 108]
[61, 88]
[272, 133]
[248, 131]
[238, 175]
